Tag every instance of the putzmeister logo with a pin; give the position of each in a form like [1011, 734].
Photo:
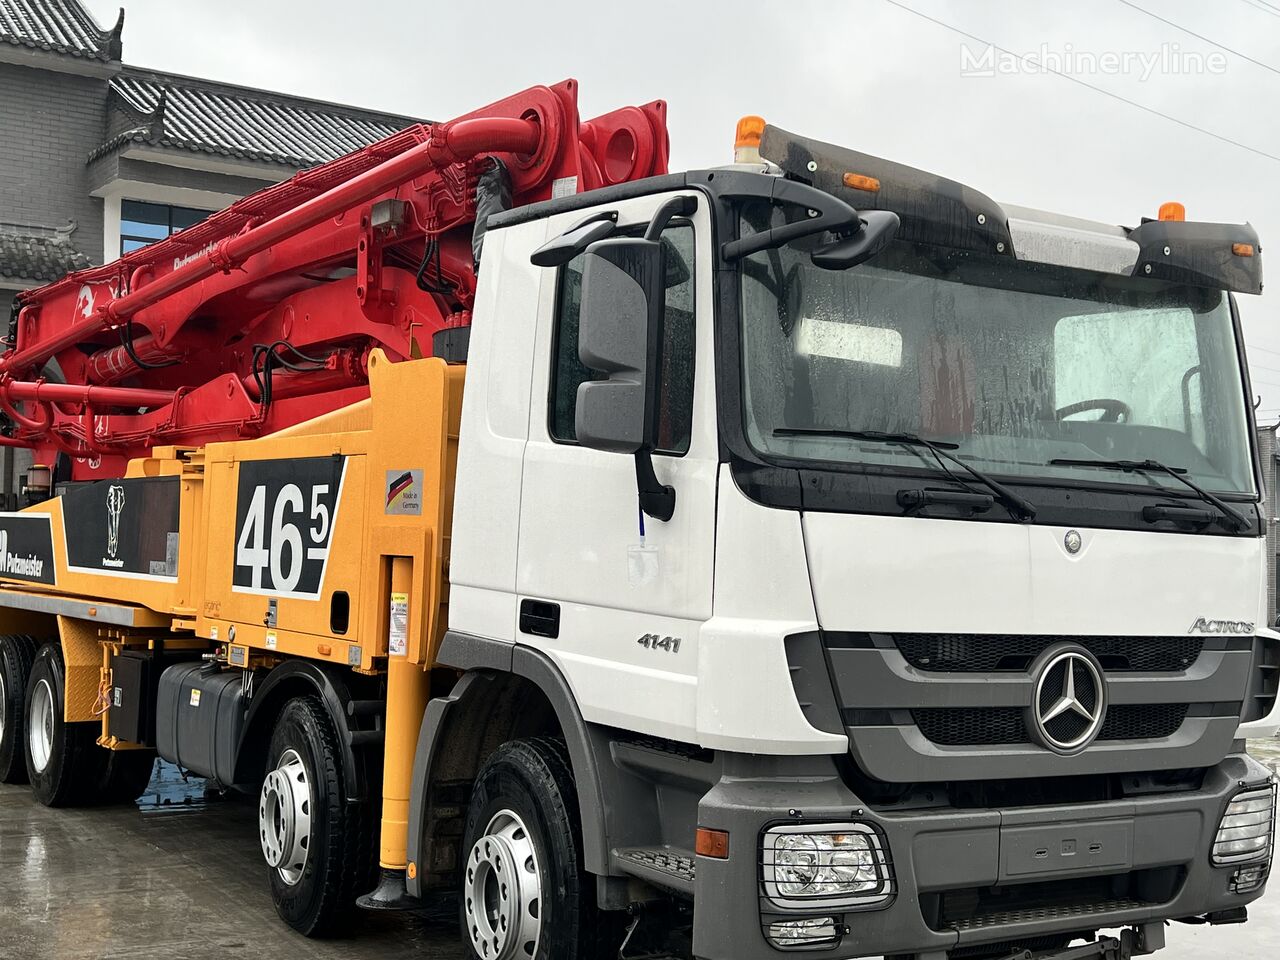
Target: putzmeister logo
[115, 504]
[29, 566]
[1203, 625]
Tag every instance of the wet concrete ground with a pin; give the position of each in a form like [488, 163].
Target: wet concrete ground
[180, 877]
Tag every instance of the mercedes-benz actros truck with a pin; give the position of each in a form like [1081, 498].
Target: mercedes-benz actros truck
[810, 556]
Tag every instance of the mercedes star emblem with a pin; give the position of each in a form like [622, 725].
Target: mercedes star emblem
[1072, 541]
[1069, 701]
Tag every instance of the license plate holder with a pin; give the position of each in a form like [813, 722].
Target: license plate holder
[1087, 846]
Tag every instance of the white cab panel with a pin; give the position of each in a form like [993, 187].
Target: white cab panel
[495, 418]
[745, 699]
[579, 522]
[900, 574]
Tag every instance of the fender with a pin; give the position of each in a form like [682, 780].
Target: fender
[336, 697]
[485, 661]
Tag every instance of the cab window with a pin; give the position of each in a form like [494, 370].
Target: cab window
[675, 422]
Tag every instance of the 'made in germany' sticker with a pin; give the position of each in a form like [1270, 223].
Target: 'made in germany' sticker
[404, 492]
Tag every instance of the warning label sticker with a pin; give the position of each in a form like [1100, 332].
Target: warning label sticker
[398, 641]
[404, 492]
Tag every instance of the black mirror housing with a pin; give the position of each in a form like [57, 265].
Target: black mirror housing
[877, 229]
[620, 335]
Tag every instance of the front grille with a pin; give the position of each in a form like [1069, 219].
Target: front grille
[984, 653]
[991, 726]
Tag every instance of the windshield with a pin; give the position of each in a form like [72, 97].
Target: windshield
[1017, 365]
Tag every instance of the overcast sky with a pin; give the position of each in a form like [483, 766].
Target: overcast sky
[864, 73]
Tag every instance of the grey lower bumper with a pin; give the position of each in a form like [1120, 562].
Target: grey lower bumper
[1154, 848]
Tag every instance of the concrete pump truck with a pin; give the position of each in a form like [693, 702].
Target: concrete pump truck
[806, 556]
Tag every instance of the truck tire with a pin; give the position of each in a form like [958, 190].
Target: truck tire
[317, 846]
[64, 762]
[16, 655]
[525, 895]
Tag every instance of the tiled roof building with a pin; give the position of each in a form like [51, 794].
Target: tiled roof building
[167, 110]
[31, 254]
[98, 157]
[59, 26]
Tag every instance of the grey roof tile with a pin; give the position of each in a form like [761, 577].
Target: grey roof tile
[38, 253]
[240, 122]
[59, 26]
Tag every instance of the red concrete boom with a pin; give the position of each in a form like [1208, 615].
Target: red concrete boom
[264, 314]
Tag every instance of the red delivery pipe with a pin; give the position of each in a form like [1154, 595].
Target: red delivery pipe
[448, 143]
[41, 392]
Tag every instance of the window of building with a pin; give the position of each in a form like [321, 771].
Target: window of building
[143, 223]
[675, 423]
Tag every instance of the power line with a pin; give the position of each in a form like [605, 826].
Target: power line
[1084, 83]
[1201, 36]
[1263, 6]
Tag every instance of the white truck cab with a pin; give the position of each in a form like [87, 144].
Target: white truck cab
[893, 576]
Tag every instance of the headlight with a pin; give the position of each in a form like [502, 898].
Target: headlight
[837, 865]
[1246, 829]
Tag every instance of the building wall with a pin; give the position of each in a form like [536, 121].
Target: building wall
[50, 122]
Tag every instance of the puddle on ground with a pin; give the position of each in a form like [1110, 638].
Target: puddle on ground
[172, 789]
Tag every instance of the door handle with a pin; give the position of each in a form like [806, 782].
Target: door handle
[540, 618]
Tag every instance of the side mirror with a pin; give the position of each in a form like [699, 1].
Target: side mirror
[620, 335]
[876, 228]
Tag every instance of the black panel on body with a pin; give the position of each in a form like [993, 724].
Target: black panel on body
[124, 526]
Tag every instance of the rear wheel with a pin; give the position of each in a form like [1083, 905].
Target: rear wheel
[16, 656]
[64, 762]
[316, 845]
[525, 895]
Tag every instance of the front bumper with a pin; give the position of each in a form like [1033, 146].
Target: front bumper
[967, 877]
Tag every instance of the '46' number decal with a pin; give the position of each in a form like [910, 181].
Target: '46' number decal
[285, 510]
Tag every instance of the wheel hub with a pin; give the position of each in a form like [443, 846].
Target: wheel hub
[503, 891]
[40, 725]
[284, 817]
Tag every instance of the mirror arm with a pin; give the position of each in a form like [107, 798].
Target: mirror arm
[556, 252]
[833, 215]
[657, 499]
[675, 207]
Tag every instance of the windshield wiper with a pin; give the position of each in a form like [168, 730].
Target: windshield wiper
[1021, 508]
[1234, 518]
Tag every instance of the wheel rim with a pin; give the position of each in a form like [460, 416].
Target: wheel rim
[284, 817]
[4, 705]
[503, 891]
[40, 719]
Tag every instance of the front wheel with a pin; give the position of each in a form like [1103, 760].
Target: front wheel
[316, 844]
[525, 895]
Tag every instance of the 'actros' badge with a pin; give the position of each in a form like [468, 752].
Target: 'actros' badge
[1203, 625]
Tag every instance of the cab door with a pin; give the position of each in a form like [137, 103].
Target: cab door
[616, 599]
